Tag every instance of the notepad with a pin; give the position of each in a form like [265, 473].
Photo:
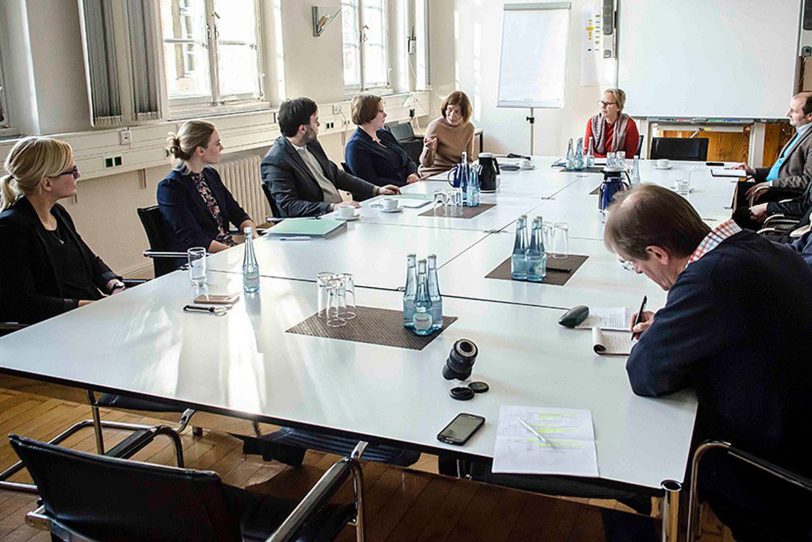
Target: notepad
[308, 227]
[725, 172]
[608, 319]
[611, 343]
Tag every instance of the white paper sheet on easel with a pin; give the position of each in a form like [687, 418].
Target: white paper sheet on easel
[568, 447]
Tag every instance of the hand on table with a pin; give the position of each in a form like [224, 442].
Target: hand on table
[388, 190]
[413, 178]
[749, 171]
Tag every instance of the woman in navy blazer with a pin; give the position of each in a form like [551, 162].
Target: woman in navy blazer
[195, 205]
[373, 153]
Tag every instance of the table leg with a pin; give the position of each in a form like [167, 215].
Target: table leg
[670, 510]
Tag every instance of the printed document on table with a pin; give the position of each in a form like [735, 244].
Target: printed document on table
[610, 319]
[568, 445]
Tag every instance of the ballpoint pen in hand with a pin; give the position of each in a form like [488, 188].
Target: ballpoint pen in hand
[535, 433]
[639, 317]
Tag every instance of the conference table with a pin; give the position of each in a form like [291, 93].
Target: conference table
[249, 364]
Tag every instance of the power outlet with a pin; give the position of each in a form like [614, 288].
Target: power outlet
[113, 161]
[125, 137]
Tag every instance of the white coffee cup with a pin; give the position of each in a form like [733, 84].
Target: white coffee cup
[663, 163]
[345, 211]
[525, 164]
[389, 204]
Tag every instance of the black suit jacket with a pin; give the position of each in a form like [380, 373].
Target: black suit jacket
[292, 185]
[380, 164]
[31, 290]
[187, 219]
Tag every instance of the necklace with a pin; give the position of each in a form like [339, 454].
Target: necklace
[56, 236]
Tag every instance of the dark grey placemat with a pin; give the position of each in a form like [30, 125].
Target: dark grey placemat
[465, 212]
[555, 269]
[596, 191]
[372, 326]
[585, 170]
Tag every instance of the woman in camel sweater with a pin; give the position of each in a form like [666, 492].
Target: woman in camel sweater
[448, 137]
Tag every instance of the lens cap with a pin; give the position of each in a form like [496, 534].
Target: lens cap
[479, 387]
[462, 393]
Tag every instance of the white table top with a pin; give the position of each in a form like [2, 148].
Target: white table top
[600, 282]
[506, 210]
[374, 253]
[244, 363]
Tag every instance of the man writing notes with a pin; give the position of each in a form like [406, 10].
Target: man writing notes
[735, 327]
[302, 180]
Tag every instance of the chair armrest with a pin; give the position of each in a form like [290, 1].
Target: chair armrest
[273, 219]
[325, 488]
[757, 193]
[10, 327]
[129, 283]
[779, 220]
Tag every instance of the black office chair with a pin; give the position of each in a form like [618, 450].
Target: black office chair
[276, 214]
[802, 530]
[679, 148]
[404, 134]
[89, 497]
[639, 145]
[163, 260]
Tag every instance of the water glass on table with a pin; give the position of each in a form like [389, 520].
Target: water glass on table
[349, 295]
[197, 265]
[683, 186]
[560, 240]
[323, 285]
[336, 304]
[621, 159]
[547, 236]
[611, 159]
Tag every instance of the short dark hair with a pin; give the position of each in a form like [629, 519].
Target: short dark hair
[652, 215]
[293, 113]
[364, 108]
[807, 98]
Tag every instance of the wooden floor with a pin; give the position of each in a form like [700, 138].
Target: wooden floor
[402, 504]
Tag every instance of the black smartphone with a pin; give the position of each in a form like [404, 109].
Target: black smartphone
[460, 429]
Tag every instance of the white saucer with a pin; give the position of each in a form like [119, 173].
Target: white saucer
[666, 167]
[398, 210]
[354, 218]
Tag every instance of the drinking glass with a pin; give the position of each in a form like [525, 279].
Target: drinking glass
[335, 304]
[621, 159]
[547, 236]
[683, 186]
[440, 199]
[197, 265]
[560, 240]
[611, 159]
[349, 296]
[323, 284]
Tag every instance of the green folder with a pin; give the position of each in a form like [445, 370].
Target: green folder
[308, 227]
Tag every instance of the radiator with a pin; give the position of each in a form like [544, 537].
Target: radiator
[242, 178]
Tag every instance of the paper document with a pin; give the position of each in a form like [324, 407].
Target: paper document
[536, 440]
[725, 172]
[611, 319]
[611, 343]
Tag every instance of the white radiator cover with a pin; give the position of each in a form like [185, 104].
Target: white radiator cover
[242, 178]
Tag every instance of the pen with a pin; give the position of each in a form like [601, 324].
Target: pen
[294, 238]
[217, 311]
[639, 316]
[536, 433]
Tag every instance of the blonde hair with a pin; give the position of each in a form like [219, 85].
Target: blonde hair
[192, 134]
[31, 159]
[618, 95]
[364, 108]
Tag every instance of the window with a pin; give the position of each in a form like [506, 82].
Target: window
[365, 33]
[4, 123]
[211, 51]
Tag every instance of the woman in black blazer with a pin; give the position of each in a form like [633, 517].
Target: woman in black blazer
[45, 266]
[373, 153]
[195, 205]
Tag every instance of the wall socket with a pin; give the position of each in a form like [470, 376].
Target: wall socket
[329, 125]
[125, 137]
[113, 161]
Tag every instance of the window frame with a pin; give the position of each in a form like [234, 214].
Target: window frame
[386, 88]
[222, 103]
[7, 127]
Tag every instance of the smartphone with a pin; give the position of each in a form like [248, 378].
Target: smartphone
[460, 429]
[216, 299]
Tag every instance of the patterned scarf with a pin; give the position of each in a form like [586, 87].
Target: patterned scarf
[618, 136]
[214, 208]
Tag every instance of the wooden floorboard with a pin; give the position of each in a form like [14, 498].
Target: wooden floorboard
[403, 505]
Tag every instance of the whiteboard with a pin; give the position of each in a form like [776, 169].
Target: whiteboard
[534, 55]
[708, 58]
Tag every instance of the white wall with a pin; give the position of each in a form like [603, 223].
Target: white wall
[466, 40]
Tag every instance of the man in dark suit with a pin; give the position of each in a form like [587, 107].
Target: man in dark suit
[735, 328]
[301, 179]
